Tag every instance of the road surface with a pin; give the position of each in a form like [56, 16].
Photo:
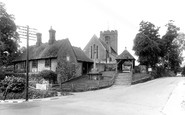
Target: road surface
[147, 98]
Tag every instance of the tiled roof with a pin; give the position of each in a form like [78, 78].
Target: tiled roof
[80, 55]
[125, 55]
[51, 51]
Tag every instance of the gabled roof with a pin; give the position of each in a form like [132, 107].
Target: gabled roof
[107, 47]
[80, 55]
[125, 55]
[45, 51]
[104, 44]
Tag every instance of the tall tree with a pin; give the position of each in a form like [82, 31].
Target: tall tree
[172, 49]
[147, 44]
[8, 37]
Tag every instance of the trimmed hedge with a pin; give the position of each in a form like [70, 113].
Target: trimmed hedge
[48, 75]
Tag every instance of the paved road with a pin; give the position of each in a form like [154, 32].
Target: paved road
[147, 98]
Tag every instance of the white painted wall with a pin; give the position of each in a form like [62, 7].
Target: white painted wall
[41, 66]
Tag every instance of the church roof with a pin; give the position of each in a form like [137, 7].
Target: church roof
[80, 55]
[107, 47]
[125, 55]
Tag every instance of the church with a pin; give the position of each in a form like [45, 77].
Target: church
[104, 51]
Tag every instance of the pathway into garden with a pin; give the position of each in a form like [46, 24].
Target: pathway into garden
[149, 98]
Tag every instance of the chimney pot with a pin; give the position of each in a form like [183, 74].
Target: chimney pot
[51, 36]
[39, 39]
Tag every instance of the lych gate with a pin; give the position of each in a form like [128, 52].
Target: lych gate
[125, 62]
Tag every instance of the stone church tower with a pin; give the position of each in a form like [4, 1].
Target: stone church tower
[103, 49]
[110, 38]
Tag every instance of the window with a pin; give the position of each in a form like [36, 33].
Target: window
[22, 65]
[67, 58]
[110, 59]
[34, 64]
[48, 63]
[91, 52]
[94, 51]
[97, 52]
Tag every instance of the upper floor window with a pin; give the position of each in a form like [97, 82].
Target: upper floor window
[34, 64]
[48, 63]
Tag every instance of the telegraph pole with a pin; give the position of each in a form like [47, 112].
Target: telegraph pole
[26, 33]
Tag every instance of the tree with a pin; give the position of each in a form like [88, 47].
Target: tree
[147, 44]
[8, 37]
[172, 47]
[183, 71]
[66, 70]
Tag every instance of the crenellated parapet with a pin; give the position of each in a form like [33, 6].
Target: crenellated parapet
[108, 32]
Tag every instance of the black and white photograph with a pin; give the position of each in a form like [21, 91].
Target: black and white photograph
[92, 57]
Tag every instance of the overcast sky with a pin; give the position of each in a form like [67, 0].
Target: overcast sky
[79, 20]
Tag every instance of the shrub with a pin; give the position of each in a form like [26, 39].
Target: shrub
[2, 75]
[36, 94]
[22, 75]
[12, 85]
[48, 75]
[32, 94]
[66, 70]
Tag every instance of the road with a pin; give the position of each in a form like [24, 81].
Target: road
[147, 98]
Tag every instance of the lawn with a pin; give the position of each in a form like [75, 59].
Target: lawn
[83, 83]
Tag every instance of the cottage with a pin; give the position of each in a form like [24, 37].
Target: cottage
[45, 56]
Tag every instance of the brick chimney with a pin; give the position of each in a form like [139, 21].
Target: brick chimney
[51, 36]
[39, 39]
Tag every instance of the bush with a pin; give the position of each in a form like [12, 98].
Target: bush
[48, 75]
[12, 84]
[32, 94]
[36, 94]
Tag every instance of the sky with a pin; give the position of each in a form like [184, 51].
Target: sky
[79, 20]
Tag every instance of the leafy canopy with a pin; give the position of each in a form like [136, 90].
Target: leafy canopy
[147, 44]
[8, 37]
[173, 45]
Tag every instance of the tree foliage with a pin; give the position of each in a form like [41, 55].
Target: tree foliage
[8, 37]
[153, 50]
[12, 84]
[183, 71]
[147, 44]
[66, 70]
[172, 47]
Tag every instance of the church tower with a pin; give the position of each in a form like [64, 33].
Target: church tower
[110, 38]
